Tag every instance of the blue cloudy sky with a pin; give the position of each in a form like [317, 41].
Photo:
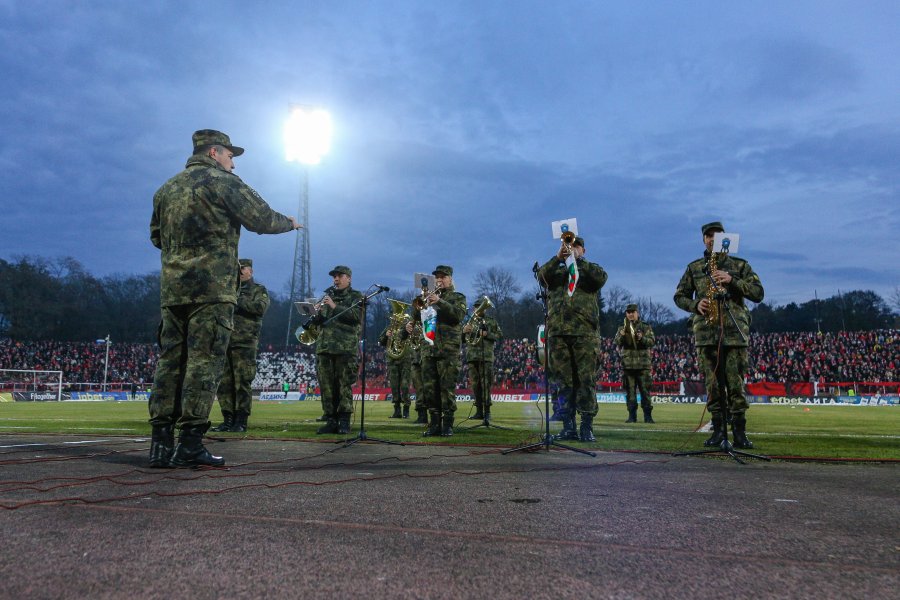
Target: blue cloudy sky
[463, 128]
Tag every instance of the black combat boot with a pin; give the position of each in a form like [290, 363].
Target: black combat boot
[586, 431]
[479, 414]
[162, 444]
[423, 416]
[568, 431]
[648, 416]
[434, 428]
[719, 431]
[447, 429]
[487, 414]
[406, 411]
[396, 414]
[330, 426]
[632, 414]
[240, 422]
[343, 423]
[190, 451]
[323, 419]
[227, 421]
[739, 432]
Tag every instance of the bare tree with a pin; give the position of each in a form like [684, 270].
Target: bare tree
[498, 284]
[894, 299]
[617, 298]
[654, 312]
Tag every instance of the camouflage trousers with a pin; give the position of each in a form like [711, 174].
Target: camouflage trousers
[573, 367]
[636, 380]
[481, 374]
[193, 339]
[733, 361]
[337, 374]
[398, 374]
[234, 392]
[439, 376]
[416, 378]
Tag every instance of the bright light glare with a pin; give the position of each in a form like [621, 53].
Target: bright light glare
[307, 135]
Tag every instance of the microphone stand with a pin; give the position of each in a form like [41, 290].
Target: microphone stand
[485, 386]
[546, 438]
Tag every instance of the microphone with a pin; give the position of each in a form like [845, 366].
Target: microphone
[383, 288]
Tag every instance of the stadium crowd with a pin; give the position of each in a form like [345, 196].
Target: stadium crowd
[871, 356]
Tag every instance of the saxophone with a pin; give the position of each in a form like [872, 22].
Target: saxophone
[713, 290]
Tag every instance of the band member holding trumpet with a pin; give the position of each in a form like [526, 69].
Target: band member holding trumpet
[481, 332]
[572, 335]
[441, 359]
[337, 363]
[634, 340]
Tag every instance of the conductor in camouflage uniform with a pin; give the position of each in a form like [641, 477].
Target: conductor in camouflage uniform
[723, 343]
[480, 359]
[572, 337]
[196, 224]
[441, 361]
[634, 340]
[337, 345]
[399, 370]
[235, 393]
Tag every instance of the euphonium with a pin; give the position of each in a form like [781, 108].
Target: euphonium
[477, 320]
[397, 346]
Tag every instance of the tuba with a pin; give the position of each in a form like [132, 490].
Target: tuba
[397, 346]
[477, 320]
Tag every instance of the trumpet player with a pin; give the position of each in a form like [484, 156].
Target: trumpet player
[441, 360]
[336, 350]
[634, 340]
[572, 337]
[481, 333]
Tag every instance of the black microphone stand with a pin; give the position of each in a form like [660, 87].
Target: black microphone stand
[546, 438]
[361, 436]
[485, 386]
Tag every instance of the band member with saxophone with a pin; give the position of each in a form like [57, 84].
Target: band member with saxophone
[481, 332]
[716, 285]
[441, 359]
[234, 393]
[337, 345]
[634, 340]
[398, 356]
[572, 337]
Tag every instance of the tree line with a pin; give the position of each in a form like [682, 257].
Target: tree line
[57, 299]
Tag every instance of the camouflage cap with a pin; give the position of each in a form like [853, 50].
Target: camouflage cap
[443, 270]
[246, 262]
[341, 270]
[714, 226]
[578, 241]
[211, 137]
[631, 307]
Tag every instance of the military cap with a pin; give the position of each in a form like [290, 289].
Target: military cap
[443, 270]
[341, 270]
[246, 262]
[211, 137]
[631, 307]
[715, 225]
[578, 241]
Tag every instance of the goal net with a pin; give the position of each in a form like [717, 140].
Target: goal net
[43, 385]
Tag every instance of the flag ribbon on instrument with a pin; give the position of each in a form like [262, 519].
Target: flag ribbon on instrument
[429, 324]
[572, 271]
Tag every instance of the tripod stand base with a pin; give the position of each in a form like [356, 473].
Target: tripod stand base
[546, 442]
[725, 448]
[362, 437]
[488, 424]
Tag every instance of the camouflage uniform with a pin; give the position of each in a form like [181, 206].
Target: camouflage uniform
[196, 223]
[235, 395]
[480, 359]
[399, 372]
[572, 338]
[728, 350]
[416, 379]
[337, 349]
[636, 367]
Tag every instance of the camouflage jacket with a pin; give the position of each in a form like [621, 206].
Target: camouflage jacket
[579, 314]
[196, 223]
[252, 304]
[484, 350]
[451, 310]
[340, 336]
[744, 284]
[636, 355]
[405, 357]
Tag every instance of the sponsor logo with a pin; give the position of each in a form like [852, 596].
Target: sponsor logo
[676, 399]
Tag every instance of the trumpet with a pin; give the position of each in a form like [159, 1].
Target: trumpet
[567, 238]
[308, 332]
[628, 332]
[421, 301]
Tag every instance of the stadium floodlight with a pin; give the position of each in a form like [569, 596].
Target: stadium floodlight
[307, 134]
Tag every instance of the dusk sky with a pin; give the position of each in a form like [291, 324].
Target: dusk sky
[462, 129]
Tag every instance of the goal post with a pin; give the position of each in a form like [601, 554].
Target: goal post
[37, 380]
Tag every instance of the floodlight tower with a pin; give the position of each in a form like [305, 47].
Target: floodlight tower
[307, 137]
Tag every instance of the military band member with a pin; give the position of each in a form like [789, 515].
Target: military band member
[416, 379]
[441, 361]
[634, 340]
[399, 370]
[722, 343]
[480, 359]
[235, 394]
[337, 362]
[572, 337]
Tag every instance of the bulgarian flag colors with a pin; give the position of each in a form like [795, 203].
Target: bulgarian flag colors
[429, 324]
[572, 270]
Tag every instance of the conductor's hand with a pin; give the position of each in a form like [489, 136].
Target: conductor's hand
[295, 224]
[703, 307]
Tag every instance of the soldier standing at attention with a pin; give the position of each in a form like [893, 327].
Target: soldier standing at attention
[416, 379]
[634, 340]
[480, 359]
[441, 360]
[572, 337]
[235, 395]
[722, 343]
[196, 224]
[399, 369]
[337, 346]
